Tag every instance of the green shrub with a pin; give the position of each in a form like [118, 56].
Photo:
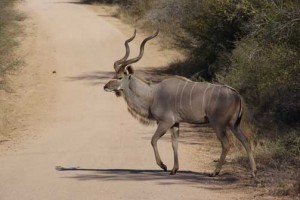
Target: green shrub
[8, 17]
[265, 64]
[279, 152]
[7, 42]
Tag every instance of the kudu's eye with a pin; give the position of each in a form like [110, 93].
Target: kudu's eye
[119, 78]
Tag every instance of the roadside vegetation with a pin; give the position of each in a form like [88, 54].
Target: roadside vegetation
[251, 45]
[8, 60]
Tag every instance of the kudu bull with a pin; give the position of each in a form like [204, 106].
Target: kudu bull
[177, 99]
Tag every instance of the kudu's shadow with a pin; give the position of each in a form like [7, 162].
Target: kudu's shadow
[153, 75]
[195, 179]
[149, 73]
[93, 78]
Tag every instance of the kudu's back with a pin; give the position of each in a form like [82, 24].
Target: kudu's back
[182, 100]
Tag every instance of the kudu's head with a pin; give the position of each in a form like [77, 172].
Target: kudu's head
[123, 69]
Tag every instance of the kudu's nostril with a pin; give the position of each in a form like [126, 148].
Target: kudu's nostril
[105, 87]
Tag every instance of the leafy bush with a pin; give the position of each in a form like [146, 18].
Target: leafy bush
[7, 42]
[280, 151]
[7, 60]
[265, 64]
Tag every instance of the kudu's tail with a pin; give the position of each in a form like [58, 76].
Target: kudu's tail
[240, 114]
[245, 122]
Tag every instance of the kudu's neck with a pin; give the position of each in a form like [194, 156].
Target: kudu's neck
[139, 97]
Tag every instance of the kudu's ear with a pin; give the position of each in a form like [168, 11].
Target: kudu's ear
[128, 70]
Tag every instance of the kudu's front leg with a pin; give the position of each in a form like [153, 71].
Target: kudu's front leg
[174, 136]
[160, 131]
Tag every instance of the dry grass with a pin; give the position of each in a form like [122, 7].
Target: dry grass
[278, 161]
[9, 31]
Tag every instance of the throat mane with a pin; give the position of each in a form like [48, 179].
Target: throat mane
[138, 96]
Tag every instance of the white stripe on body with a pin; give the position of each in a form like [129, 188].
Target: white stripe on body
[227, 94]
[179, 83]
[191, 95]
[182, 94]
[211, 93]
[217, 97]
[203, 100]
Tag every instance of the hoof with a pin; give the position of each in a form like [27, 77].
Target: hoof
[214, 174]
[173, 172]
[253, 175]
[164, 167]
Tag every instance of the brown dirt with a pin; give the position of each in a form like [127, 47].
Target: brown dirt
[66, 119]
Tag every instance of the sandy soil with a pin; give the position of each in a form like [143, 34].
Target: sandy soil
[68, 120]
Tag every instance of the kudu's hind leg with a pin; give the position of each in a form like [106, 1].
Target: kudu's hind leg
[174, 136]
[225, 142]
[247, 145]
[160, 131]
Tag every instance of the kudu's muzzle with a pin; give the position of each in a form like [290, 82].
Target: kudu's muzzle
[112, 85]
[106, 88]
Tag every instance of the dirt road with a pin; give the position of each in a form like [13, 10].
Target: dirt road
[79, 126]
